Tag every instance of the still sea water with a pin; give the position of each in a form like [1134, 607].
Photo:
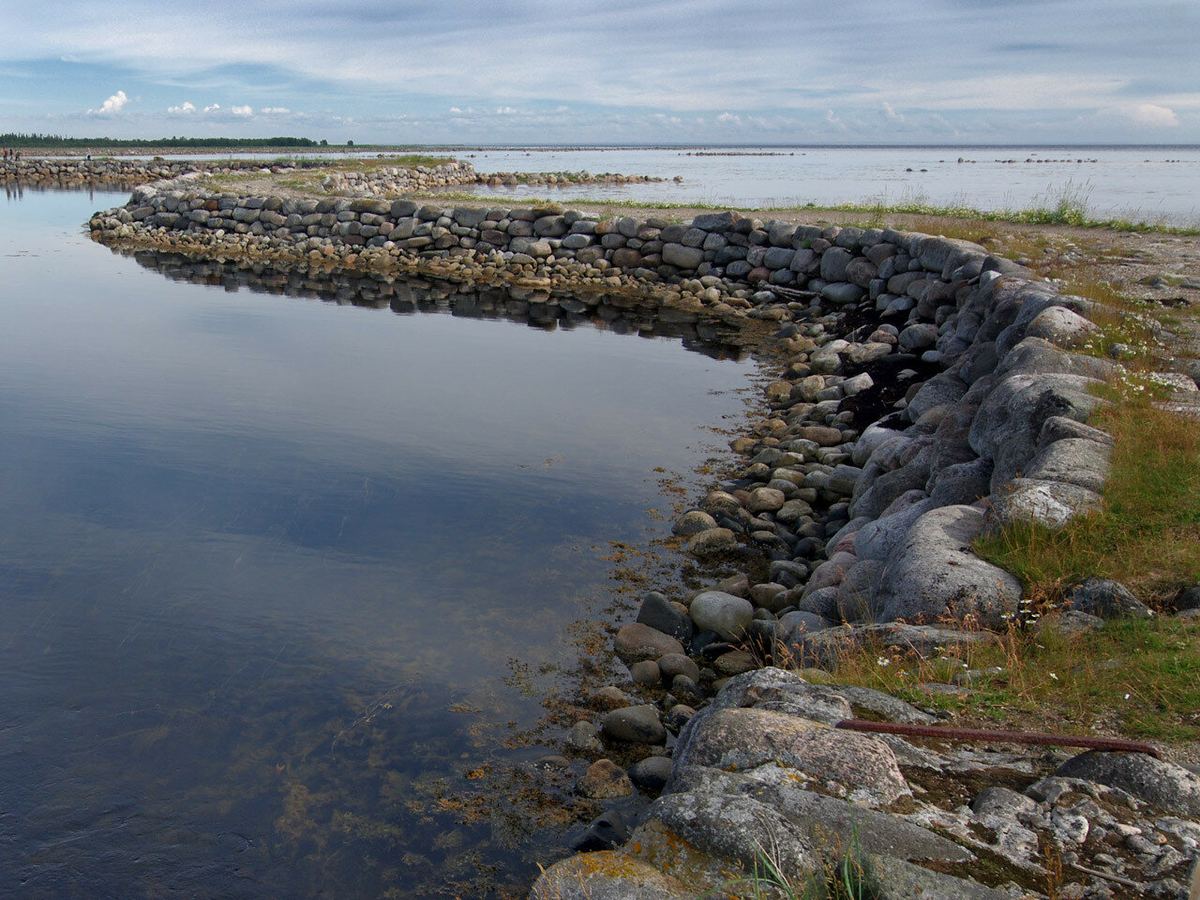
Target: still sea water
[1151, 184]
[278, 575]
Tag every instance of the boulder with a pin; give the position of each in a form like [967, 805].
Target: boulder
[1164, 784]
[634, 725]
[739, 739]
[727, 615]
[933, 573]
[604, 780]
[1051, 504]
[637, 641]
[1107, 599]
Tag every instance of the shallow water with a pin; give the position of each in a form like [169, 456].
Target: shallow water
[1141, 183]
[267, 559]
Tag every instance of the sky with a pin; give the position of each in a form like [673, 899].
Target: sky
[612, 72]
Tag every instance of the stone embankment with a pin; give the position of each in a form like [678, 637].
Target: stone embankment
[376, 179]
[929, 392]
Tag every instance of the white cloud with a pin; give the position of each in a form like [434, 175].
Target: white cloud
[111, 106]
[243, 111]
[1154, 115]
[187, 107]
[213, 108]
[455, 109]
[506, 111]
[890, 113]
[271, 110]
[729, 119]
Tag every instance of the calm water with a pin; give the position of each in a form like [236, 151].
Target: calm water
[266, 561]
[1147, 183]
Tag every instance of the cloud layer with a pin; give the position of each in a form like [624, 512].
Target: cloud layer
[650, 70]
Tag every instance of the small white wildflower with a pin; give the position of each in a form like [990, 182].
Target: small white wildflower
[1126, 696]
[884, 661]
[1055, 677]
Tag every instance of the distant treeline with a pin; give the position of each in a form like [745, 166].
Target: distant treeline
[56, 141]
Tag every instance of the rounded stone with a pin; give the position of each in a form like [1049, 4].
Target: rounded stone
[766, 499]
[674, 664]
[651, 774]
[636, 642]
[634, 725]
[727, 615]
[604, 780]
[645, 672]
[712, 542]
[692, 522]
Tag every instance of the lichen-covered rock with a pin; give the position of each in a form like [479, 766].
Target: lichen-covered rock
[607, 875]
[1166, 785]
[739, 739]
[1051, 504]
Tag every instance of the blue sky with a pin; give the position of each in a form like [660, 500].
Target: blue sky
[620, 71]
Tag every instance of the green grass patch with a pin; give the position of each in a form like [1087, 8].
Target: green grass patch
[1147, 535]
[1137, 678]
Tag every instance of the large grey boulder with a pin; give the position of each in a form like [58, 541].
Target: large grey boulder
[1051, 504]
[934, 574]
[1061, 327]
[738, 739]
[831, 825]
[727, 615]
[1164, 784]
[1076, 461]
[1009, 421]
[737, 828]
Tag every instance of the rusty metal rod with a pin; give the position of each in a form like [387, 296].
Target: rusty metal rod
[1007, 737]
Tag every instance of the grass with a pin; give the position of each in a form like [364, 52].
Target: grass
[845, 877]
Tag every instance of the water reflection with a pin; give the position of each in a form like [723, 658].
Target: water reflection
[277, 577]
[408, 295]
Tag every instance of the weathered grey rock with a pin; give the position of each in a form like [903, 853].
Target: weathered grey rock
[827, 646]
[720, 503]
[1076, 461]
[636, 642]
[672, 664]
[902, 880]
[1164, 784]
[833, 826]
[834, 262]
[727, 615]
[778, 691]
[886, 489]
[961, 483]
[651, 773]
[738, 739]
[634, 725]
[1070, 623]
[1061, 326]
[1107, 599]
[941, 389]
[1010, 419]
[918, 337]
[933, 573]
[878, 539]
[735, 828]
[842, 293]
[682, 256]
[1051, 504]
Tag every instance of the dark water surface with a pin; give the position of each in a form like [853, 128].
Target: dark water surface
[265, 562]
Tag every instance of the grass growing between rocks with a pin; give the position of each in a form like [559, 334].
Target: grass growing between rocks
[1138, 679]
[1147, 536]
